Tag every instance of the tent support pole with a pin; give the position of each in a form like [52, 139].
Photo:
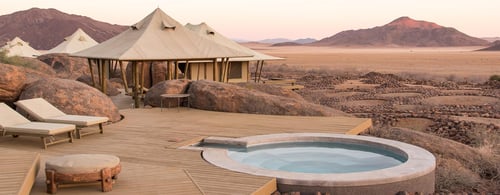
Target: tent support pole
[261, 66]
[124, 76]
[136, 83]
[228, 70]
[105, 74]
[176, 73]
[186, 70]
[141, 89]
[205, 71]
[91, 71]
[215, 69]
[256, 70]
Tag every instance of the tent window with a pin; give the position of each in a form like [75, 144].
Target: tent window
[210, 32]
[236, 70]
[166, 25]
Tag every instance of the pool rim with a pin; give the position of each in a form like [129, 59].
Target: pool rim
[419, 162]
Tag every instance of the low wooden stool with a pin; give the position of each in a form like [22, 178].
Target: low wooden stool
[82, 168]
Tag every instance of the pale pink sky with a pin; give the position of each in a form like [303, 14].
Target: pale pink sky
[293, 19]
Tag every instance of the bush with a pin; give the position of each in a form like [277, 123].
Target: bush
[495, 77]
[14, 60]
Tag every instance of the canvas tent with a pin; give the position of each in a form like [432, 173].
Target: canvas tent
[157, 37]
[18, 47]
[238, 67]
[78, 41]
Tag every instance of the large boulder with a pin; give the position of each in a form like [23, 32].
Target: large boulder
[271, 89]
[111, 90]
[158, 72]
[65, 66]
[216, 96]
[72, 97]
[12, 81]
[153, 73]
[153, 96]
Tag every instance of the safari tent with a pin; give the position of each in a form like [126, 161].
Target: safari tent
[156, 38]
[78, 41]
[238, 69]
[18, 47]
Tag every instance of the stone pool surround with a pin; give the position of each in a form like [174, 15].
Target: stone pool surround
[414, 175]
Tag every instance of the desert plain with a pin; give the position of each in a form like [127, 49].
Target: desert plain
[459, 62]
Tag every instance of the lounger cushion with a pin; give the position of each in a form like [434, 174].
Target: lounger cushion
[39, 128]
[78, 120]
[9, 117]
[39, 108]
[42, 110]
[81, 163]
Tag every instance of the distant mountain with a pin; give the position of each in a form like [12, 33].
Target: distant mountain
[495, 46]
[305, 41]
[283, 40]
[491, 39]
[46, 28]
[275, 40]
[403, 31]
[286, 44]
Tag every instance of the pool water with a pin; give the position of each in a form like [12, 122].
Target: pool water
[316, 157]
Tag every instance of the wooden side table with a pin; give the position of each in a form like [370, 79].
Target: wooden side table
[174, 96]
[81, 168]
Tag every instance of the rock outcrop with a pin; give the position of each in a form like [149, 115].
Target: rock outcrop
[209, 95]
[12, 80]
[65, 66]
[270, 89]
[111, 90]
[72, 97]
[153, 96]
[153, 73]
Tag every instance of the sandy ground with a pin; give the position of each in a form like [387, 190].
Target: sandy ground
[461, 62]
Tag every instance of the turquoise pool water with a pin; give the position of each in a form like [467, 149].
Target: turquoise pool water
[316, 157]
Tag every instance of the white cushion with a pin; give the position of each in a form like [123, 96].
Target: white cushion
[39, 128]
[39, 108]
[9, 117]
[78, 120]
[81, 163]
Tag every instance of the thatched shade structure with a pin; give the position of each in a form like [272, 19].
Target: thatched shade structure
[157, 37]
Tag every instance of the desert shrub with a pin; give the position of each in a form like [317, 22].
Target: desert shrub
[495, 77]
[13, 60]
[451, 176]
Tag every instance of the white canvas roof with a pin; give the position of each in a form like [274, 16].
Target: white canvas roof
[159, 37]
[204, 30]
[18, 47]
[78, 41]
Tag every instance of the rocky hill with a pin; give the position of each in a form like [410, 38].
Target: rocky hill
[403, 31]
[45, 28]
[495, 46]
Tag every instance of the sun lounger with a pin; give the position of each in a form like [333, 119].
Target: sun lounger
[13, 123]
[41, 110]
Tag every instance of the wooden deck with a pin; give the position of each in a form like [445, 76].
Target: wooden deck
[18, 170]
[147, 140]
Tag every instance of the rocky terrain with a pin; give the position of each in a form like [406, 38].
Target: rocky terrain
[403, 31]
[52, 26]
[456, 120]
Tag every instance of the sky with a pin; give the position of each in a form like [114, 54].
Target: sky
[254, 20]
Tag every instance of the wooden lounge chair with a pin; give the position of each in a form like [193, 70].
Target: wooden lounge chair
[13, 123]
[41, 110]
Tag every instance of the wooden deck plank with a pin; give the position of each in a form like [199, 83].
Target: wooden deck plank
[146, 140]
[18, 170]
